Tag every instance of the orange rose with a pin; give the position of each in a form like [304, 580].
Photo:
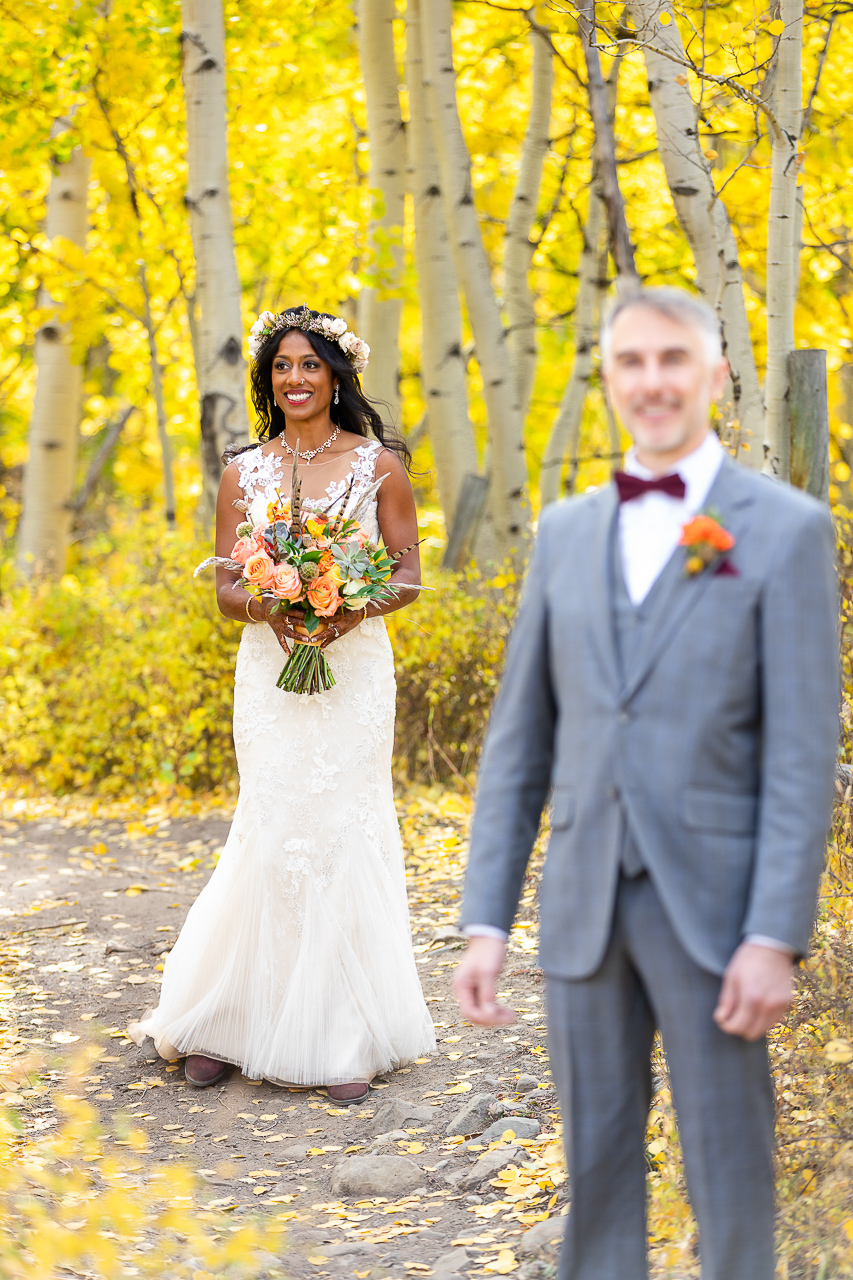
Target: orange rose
[325, 562]
[323, 596]
[706, 529]
[259, 570]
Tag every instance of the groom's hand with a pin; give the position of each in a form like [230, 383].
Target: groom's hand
[475, 980]
[758, 987]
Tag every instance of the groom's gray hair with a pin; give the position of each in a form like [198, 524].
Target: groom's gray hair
[676, 304]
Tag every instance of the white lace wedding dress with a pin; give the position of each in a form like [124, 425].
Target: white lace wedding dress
[295, 962]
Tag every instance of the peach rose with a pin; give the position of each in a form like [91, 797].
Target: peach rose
[259, 570]
[243, 548]
[287, 584]
[323, 596]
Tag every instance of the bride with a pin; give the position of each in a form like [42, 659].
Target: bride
[295, 962]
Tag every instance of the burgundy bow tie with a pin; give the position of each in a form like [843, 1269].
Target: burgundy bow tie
[630, 487]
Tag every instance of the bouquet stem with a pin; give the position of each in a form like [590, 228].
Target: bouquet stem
[306, 670]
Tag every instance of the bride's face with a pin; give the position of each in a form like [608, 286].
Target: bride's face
[302, 383]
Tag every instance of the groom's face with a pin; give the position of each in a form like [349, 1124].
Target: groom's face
[662, 381]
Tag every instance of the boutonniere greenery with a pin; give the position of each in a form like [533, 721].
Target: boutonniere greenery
[707, 542]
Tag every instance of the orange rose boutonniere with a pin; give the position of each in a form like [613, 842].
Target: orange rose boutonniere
[707, 543]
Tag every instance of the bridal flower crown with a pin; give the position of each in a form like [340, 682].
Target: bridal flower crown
[332, 328]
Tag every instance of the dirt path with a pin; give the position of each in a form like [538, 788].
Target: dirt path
[88, 912]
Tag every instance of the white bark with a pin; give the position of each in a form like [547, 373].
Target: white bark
[518, 252]
[601, 108]
[442, 361]
[49, 476]
[565, 431]
[159, 401]
[380, 306]
[781, 232]
[703, 217]
[507, 504]
[221, 370]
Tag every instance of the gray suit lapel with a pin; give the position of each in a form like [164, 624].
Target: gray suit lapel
[598, 591]
[680, 594]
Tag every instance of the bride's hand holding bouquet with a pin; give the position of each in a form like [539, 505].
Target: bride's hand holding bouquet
[314, 574]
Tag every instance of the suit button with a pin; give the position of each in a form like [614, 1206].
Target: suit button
[624, 717]
[613, 792]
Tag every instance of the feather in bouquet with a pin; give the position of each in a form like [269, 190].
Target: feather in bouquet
[320, 563]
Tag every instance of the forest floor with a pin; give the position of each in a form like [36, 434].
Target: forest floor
[90, 905]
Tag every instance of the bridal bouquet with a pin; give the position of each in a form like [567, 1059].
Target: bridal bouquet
[319, 563]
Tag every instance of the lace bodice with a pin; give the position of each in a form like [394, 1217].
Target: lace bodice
[263, 475]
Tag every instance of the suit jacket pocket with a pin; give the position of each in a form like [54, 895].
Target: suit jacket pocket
[562, 808]
[732, 812]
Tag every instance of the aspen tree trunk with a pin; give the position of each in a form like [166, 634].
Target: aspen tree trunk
[159, 401]
[604, 151]
[442, 361]
[507, 503]
[592, 282]
[703, 218]
[49, 475]
[221, 370]
[519, 250]
[380, 306]
[781, 230]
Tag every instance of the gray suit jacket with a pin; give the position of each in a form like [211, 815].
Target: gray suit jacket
[718, 746]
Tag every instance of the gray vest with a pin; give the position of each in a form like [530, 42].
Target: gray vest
[630, 626]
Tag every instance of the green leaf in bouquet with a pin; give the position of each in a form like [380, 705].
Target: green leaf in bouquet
[310, 622]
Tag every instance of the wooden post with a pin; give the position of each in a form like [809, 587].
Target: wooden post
[808, 409]
[466, 518]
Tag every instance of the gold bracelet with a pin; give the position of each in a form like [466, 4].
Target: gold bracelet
[248, 614]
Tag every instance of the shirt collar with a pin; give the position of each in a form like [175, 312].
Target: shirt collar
[698, 469]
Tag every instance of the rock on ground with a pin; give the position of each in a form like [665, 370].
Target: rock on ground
[450, 1264]
[474, 1115]
[483, 1169]
[394, 1114]
[545, 1233]
[376, 1176]
[521, 1126]
[525, 1083]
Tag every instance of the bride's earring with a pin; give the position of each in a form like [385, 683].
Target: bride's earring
[337, 396]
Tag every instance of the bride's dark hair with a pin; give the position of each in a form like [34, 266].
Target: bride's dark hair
[354, 412]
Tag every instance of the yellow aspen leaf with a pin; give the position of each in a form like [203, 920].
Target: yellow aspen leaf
[838, 1051]
[317, 1260]
[776, 27]
[665, 19]
[681, 80]
[464, 1087]
[504, 1263]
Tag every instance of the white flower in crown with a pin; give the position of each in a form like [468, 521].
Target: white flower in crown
[332, 328]
[359, 354]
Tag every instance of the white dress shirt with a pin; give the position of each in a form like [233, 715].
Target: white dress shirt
[649, 531]
[650, 526]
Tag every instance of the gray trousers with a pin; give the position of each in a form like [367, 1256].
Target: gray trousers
[600, 1032]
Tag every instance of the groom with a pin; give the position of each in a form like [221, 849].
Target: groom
[679, 704]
